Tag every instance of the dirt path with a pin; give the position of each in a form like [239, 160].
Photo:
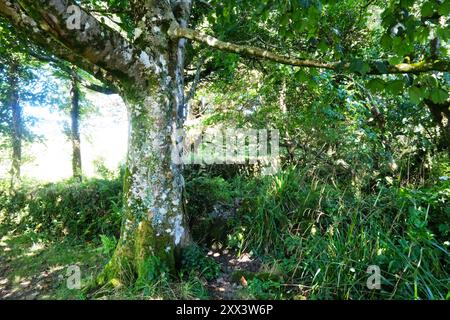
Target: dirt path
[230, 284]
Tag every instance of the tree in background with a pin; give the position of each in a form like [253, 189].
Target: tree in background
[17, 122]
[75, 129]
[18, 78]
[79, 106]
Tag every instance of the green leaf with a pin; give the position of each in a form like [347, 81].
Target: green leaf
[427, 9]
[444, 8]
[406, 3]
[395, 86]
[430, 81]
[386, 41]
[416, 94]
[301, 76]
[439, 95]
[376, 85]
[285, 20]
[395, 60]
[323, 46]
[381, 67]
[359, 66]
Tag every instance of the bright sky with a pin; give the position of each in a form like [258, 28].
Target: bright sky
[104, 137]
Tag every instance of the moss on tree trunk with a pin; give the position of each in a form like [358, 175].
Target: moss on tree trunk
[154, 227]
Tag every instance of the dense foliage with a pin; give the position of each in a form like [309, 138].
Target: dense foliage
[364, 152]
[75, 210]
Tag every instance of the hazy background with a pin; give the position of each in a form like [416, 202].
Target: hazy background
[103, 138]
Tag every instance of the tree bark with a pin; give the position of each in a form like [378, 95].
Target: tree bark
[75, 129]
[154, 229]
[16, 123]
[441, 116]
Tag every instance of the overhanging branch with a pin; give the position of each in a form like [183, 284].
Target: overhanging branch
[420, 67]
[95, 47]
[177, 32]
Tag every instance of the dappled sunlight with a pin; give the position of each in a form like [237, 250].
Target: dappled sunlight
[35, 249]
[33, 269]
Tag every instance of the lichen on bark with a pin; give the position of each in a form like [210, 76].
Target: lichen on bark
[154, 223]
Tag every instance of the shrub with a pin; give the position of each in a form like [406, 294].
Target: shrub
[205, 196]
[75, 210]
[195, 261]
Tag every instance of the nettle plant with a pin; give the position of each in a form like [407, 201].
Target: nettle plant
[140, 49]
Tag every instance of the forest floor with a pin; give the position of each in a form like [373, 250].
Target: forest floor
[32, 269]
[235, 268]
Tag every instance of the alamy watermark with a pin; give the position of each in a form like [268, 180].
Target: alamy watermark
[73, 274]
[228, 146]
[374, 280]
[74, 20]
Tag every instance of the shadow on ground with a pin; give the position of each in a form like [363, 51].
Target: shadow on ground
[32, 268]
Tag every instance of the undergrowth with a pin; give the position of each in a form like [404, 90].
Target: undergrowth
[322, 238]
[319, 238]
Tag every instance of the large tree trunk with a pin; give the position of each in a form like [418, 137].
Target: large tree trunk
[16, 123]
[154, 229]
[75, 129]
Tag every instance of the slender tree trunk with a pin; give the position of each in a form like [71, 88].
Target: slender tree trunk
[283, 105]
[441, 116]
[16, 123]
[75, 129]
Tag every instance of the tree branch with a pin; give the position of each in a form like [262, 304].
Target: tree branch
[108, 89]
[26, 28]
[419, 67]
[97, 46]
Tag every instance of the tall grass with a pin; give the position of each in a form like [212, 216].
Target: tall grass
[322, 237]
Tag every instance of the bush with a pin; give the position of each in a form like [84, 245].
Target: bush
[432, 201]
[71, 209]
[195, 261]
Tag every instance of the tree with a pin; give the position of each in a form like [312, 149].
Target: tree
[147, 69]
[16, 73]
[16, 123]
[75, 128]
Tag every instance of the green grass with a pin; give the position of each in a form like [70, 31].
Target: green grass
[316, 240]
[31, 265]
[322, 238]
